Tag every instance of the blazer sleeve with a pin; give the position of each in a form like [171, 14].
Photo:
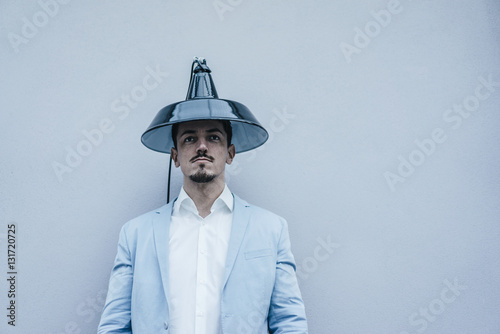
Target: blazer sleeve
[116, 315]
[286, 312]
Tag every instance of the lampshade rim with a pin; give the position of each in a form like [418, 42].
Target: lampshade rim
[206, 119]
[202, 98]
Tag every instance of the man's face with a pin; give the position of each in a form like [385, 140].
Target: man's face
[202, 151]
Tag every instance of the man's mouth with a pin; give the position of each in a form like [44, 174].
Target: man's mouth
[201, 159]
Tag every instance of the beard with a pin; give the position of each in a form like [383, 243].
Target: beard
[202, 177]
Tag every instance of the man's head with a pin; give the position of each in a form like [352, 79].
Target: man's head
[202, 149]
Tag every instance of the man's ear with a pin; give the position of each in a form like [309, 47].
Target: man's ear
[231, 152]
[173, 153]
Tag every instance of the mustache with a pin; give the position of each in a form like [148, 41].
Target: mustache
[202, 155]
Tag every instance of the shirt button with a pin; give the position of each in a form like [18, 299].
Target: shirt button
[202, 281]
[200, 314]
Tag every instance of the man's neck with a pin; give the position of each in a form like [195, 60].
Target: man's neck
[204, 194]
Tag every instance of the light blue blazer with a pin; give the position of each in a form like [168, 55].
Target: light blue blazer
[260, 291]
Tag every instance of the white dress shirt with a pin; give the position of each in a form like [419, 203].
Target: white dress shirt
[197, 257]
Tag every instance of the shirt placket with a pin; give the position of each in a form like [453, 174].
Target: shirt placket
[201, 279]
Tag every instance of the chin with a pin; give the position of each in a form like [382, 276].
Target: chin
[202, 177]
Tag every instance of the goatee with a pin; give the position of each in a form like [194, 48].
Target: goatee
[201, 177]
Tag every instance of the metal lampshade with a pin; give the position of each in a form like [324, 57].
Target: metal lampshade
[203, 103]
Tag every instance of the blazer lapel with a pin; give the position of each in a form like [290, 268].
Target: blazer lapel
[161, 231]
[241, 216]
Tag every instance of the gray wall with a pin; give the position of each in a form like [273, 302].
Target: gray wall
[383, 154]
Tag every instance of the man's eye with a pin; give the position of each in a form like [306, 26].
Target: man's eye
[188, 139]
[214, 137]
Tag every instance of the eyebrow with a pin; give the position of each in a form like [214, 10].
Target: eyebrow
[187, 132]
[215, 130]
[193, 131]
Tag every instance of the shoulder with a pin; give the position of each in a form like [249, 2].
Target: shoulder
[259, 215]
[263, 226]
[147, 219]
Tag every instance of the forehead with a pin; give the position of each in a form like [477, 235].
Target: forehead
[203, 125]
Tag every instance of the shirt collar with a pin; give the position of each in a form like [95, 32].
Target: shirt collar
[183, 201]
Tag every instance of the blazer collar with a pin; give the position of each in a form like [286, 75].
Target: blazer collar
[161, 231]
[241, 216]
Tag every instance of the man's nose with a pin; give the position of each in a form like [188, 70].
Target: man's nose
[202, 146]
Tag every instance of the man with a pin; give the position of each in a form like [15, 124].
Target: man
[207, 262]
